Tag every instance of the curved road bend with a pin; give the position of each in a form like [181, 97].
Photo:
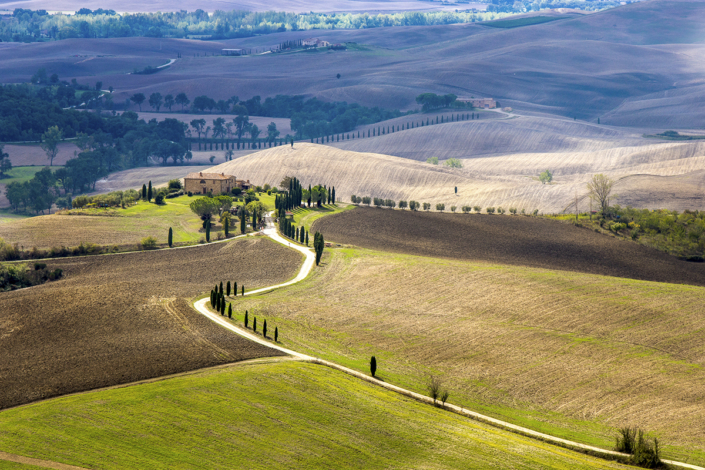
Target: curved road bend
[271, 232]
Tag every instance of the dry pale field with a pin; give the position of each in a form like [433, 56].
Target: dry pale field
[32, 154]
[573, 354]
[283, 125]
[121, 318]
[506, 181]
[635, 65]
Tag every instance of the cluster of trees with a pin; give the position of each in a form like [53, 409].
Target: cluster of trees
[296, 195]
[37, 194]
[19, 275]
[430, 101]
[378, 202]
[27, 25]
[288, 229]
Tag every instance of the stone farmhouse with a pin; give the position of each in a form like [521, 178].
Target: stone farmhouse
[215, 183]
[482, 103]
[314, 42]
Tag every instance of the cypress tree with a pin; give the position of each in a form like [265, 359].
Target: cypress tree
[276, 334]
[171, 237]
[227, 289]
[217, 302]
[245, 318]
[333, 194]
[297, 234]
[149, 191]
[222, 307]
[226, 226]
[243, 221]
[221, 287]
[230, 311]
[306, 238]
[211, 297]
[235, 289]
[373, 366]
[243, 290]
[208, 230]
[144, 191]
[301, 235]
[254, 325]
[264, 329]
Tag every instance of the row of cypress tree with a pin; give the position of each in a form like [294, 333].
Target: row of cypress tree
[264, 327]
[288, 229]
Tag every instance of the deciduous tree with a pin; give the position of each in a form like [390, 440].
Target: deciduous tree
[50, 142]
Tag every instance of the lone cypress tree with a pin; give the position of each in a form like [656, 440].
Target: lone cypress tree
[254, 325]
[227, 289]
[245, 318]
[230, 311]
[171, 237]
[264, 329]
[226, 227]
[456, 190]
[243, 221]
[276, 334]
[208, 230]
[149, 191]
[373, 366]
[243, 290]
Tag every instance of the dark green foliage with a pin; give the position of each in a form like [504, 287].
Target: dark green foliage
[227, 289]
[373, 366]
[264, 329]
[149, 191]
[144, 191]
[333, 195]
[208, 230]
[254, 325]
[217, 302]
[276, 334]
[222, 306]
[171, 237]
[306, 238]
[243, 290]
[235, 289]
[230, 311]
[631, 440]
[221, 288]
[243, 220]
[226, 226]
[318, 245]
[246, 318]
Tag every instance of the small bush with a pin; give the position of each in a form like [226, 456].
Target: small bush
[190, 194]
[452, 208]
[490, 210]
[149, 243]
[477, 209]
[38, 266]
[631, 440]
[175, 184]
[513, 211]
[159, 199]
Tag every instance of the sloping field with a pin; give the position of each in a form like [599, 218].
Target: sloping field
[585, 66]
[121, 318]
[300, 416]
[515, 240]
[507, 181]
[136, 177]
[575, 355]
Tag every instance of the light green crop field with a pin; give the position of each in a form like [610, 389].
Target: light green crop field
[5, 465]
[266, 416]
[115, 226]
[306, 217]
[21, 174]
[569, 354]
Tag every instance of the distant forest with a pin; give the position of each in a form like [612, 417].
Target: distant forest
[29, 26]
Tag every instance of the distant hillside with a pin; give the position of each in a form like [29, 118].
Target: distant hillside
[508, 181]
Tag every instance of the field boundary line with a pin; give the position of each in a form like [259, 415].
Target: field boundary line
[37, 462]
[200, 306]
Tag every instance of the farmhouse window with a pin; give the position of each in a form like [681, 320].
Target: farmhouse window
[203, 181]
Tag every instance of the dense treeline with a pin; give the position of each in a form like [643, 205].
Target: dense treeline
[28, 25]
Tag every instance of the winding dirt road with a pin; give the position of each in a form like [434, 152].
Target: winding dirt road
[309, 262]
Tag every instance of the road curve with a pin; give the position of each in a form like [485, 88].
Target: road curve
[309, 262]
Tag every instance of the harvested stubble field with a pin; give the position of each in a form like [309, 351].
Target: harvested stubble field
[120, 318]
[514, 240]
[571, 354]
[300, 416]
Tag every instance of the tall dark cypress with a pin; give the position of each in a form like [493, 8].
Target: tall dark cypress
[309, 195]
[227, 289]
[264, 329]
[246, 319]
[235, 290]
[276, 334]
[144, 191]
[230, 311]
[333, 194]
[149, 191]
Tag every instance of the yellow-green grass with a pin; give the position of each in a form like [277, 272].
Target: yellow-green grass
[306, 217]
[570, 354]
[5, 465]
[268, 416]
[21, 174]
[116, 226]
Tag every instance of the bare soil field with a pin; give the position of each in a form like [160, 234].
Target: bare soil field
[32, 154]
[136, 177]
[283, 125]
[506, 181]
[586, 66]
[576, 355]
[514, 240]
[121, 318]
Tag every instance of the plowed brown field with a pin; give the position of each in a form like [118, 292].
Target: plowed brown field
[522, 241]
[122, 318]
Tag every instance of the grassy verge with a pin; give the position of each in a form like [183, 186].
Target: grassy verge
[266, 415]
[306, 217]
[22, 174]
[572, 355]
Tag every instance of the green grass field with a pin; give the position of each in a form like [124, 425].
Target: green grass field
[22, 174]
[4, 465]
[306, 217]
[266, 415]
[552, 351]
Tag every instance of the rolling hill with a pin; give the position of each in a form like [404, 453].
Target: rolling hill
[507, 181]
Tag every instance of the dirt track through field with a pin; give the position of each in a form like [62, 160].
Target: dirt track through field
[514, 240]
[123, 318]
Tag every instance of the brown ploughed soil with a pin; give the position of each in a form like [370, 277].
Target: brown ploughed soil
[122, 318]
[514, 240]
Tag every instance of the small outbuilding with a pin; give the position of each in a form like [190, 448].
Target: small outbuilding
[482, 103]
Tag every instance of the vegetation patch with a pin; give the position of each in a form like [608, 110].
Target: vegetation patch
[17, 276]
[673, 135]
[300, 415]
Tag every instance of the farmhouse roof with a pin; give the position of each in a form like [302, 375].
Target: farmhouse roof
[208, 176]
